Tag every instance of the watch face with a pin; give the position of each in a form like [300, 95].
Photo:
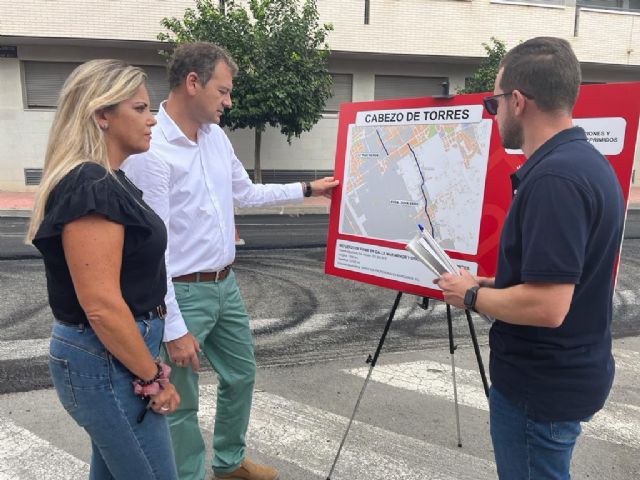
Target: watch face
[469, 297]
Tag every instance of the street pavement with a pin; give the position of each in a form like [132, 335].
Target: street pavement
[313, 334]
[405, 427]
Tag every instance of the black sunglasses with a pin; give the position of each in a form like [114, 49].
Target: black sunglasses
[491, 103]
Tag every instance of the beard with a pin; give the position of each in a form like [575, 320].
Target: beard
[511, 134]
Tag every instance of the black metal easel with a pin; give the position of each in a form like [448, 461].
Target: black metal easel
[452, 348]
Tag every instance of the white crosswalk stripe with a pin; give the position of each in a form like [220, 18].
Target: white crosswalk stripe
[23, 349]
[616, 423]
[307, 437]
[25, 456]
[310, 438]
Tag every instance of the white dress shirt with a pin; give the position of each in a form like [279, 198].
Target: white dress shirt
[193, 187]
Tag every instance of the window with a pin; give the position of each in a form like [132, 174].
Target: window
[44, 80]
[629, 5]
[392, 86]
[341, 91]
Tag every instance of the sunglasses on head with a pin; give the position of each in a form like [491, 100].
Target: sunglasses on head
[491, 103]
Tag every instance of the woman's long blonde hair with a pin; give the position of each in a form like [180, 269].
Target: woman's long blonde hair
[75, 136]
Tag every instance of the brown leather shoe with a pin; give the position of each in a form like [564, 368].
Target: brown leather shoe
[249, 471]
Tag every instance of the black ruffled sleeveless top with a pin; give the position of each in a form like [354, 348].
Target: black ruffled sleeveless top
[90, 189]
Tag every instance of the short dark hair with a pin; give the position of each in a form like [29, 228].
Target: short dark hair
[198, 57]
[545, 68]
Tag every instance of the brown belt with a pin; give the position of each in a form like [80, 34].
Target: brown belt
[204, 276]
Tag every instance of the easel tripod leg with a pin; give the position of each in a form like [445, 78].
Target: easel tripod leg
[452, 349]
[366, 381]
[476, 348]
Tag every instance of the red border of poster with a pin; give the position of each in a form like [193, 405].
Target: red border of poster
[594, 101]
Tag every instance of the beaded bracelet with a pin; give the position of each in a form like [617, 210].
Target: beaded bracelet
[152, 387]
[155, 377]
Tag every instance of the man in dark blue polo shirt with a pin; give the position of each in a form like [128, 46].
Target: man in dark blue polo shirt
[551, 364]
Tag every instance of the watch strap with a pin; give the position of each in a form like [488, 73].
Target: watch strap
[307, 189]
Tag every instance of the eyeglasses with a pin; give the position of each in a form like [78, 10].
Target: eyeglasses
[491, 103]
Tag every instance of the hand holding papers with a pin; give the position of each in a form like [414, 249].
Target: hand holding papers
[424, 247]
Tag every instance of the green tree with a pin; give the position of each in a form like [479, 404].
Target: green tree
[281, 53]
[483, 78]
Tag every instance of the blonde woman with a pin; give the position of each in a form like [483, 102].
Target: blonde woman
[103, 252]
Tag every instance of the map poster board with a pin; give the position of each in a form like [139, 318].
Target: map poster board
[439, 162]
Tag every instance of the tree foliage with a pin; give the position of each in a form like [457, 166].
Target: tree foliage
[483, 78]
[281, 53]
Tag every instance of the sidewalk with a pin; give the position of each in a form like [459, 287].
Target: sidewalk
[19, 204]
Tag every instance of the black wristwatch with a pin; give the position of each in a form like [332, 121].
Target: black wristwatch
[470, 298]
[307, 189]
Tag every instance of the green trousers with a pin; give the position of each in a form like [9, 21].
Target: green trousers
[215, 315]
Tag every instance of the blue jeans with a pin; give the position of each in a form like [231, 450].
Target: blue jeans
[528, 449]
[95, 389]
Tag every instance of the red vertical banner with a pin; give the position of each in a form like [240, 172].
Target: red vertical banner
[439, 163]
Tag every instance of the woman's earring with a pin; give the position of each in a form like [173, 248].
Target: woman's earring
[104, 126]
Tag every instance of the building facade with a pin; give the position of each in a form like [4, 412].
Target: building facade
[380, 49]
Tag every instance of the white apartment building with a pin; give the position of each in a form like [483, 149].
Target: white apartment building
[380, 49]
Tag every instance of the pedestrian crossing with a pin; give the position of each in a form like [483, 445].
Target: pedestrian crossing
[26, 456]
[616, 423]
[310, 437]
[305, 436]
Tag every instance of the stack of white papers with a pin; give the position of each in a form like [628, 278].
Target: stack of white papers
[425, 248]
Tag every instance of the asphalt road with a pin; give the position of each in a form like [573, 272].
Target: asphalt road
[258, 232]
[287, 294]
[288, 297]
[312, 334]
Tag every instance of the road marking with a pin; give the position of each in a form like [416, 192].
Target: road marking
[309, 437]
[24, 455]
[616, 423]
[627, 297]
[627, 359]
[22, 349]
[13, 235]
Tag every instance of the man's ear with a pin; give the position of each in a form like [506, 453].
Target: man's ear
[519, 102]
[191, 83]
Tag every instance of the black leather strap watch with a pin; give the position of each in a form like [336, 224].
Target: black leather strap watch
[470, 298]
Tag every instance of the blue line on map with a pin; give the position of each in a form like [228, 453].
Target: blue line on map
[380, 138]
[422, 190]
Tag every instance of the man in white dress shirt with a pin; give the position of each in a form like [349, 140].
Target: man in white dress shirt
[192, 179]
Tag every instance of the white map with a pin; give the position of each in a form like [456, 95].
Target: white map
[399, 176]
